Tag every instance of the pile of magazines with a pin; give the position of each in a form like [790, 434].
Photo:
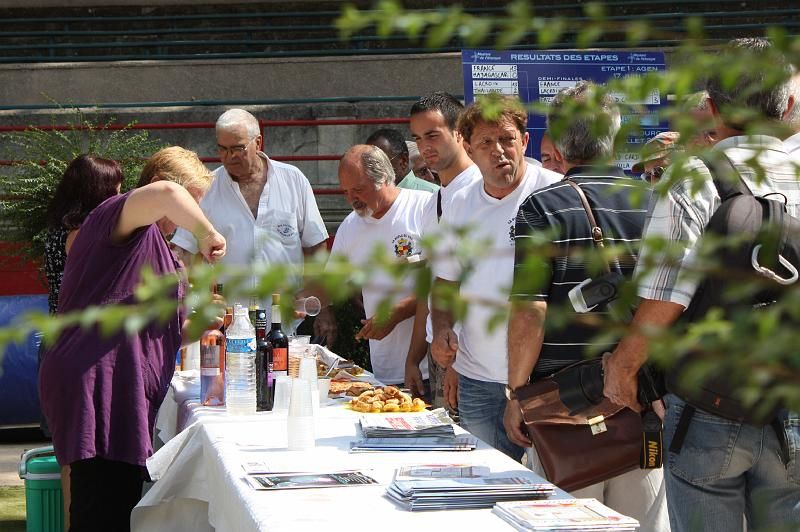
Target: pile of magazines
[424, 431]
[434, 423]
[454, 486]
[563, 514]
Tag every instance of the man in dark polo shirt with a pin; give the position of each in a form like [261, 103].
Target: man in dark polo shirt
[554, 217]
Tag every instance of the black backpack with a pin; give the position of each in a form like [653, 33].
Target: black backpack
[767, 250]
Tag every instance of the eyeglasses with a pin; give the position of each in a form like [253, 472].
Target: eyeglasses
[239, 149]
[652, 174]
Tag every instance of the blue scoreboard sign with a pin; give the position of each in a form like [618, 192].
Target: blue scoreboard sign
[537, 76]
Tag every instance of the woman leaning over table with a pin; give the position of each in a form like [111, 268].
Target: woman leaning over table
[86, 183]
[101, 394]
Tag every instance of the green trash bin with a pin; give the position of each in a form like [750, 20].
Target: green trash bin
[44, 501]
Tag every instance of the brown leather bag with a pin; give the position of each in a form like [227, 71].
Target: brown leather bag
[577, 451]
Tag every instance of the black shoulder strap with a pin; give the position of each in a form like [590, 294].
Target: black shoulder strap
[439, 205]
[727, 179]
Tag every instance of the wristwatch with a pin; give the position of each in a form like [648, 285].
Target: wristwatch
[511, 395]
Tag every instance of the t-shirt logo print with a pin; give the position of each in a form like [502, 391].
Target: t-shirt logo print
[403, 245]
[285, 230]
[511, 230]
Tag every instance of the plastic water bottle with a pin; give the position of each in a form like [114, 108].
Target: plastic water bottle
[240, 364]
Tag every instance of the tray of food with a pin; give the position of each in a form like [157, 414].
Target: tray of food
[386, 399]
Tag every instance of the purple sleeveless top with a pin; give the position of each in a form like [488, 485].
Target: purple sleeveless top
[101, 394]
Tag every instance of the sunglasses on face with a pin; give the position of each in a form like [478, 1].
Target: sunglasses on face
[653, 174]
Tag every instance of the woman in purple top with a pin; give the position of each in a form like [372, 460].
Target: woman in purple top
[100, 394]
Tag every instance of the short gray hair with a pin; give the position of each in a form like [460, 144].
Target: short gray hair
[760, 87]
[233, 118]
[377, 166]
[583, 136]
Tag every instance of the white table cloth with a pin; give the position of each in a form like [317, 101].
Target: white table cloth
[183, 389]
[200, 484]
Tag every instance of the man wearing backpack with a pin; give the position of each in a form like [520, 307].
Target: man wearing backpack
[717, 469]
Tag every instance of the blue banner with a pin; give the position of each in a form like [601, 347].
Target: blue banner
[537, 76]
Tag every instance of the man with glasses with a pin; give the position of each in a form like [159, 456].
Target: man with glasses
[265, 209]
[392, 143]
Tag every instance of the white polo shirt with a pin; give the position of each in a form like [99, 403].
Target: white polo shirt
[288, 220]
[396, 234]
[483, 353]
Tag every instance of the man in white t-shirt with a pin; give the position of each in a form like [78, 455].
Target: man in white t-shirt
[479, 266]
[386, 219]
[265, 209]
[433, 127]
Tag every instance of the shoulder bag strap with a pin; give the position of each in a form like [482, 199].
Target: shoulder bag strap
[597, 231]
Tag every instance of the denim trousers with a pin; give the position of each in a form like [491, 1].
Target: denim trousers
[726, 470]
[481, 405]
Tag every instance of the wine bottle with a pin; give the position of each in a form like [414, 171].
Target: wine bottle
[278, 341]
[264, 367]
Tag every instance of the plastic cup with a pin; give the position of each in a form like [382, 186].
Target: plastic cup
[303, 339]
[308, 370]
[307, 306]
[296, 353]
[191, 359]
[300, 399]
[300, 421]
[283, 392]
[324, 386]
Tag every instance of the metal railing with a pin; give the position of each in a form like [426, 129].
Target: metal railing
[263, 124]
[154, 35]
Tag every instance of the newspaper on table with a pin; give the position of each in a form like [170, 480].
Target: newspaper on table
[463, 442]
[282, 481]
[454, 486]
[422, 424]
[563, 514]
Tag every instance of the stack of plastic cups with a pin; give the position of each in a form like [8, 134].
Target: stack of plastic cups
[283, 393]
[300, 421]
[308, 373]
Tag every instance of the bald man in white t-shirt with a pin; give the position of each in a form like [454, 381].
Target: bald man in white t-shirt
[386, 219]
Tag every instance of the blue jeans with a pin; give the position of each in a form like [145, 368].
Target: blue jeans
[726, 470]
[481, 406]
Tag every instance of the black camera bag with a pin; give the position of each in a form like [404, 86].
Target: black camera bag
[755, 221]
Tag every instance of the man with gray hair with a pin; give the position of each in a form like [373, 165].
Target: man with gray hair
[720, 469]
[387, 218]
[554, 216]
[264, 208]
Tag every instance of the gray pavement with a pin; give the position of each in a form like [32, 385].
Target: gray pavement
[9, 460]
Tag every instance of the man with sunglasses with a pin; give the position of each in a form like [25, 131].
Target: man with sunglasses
[264, 208]
[656, 155]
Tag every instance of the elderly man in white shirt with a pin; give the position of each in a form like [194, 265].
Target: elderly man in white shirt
[265, 209]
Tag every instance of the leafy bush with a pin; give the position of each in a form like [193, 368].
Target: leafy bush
[41, 154]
